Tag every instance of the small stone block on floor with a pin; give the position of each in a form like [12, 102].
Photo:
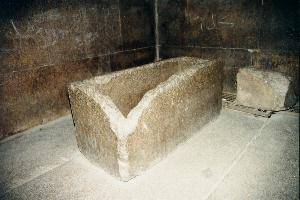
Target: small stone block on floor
[264, 89]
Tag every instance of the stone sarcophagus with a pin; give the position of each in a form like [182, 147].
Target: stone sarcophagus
[128, 120]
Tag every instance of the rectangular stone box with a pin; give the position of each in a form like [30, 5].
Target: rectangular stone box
[128, 120]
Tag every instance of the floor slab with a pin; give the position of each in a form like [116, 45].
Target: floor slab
[235, 155]
[32, 153]
[269, 169]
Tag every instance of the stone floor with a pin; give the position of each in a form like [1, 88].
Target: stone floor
[237, 156]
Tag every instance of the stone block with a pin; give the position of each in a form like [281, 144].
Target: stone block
[128, 120]
[267, 90]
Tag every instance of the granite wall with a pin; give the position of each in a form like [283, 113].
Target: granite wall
[45, 45]
[261, 33]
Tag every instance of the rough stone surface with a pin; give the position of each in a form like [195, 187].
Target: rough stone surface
[264, 89]
[127, 121]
